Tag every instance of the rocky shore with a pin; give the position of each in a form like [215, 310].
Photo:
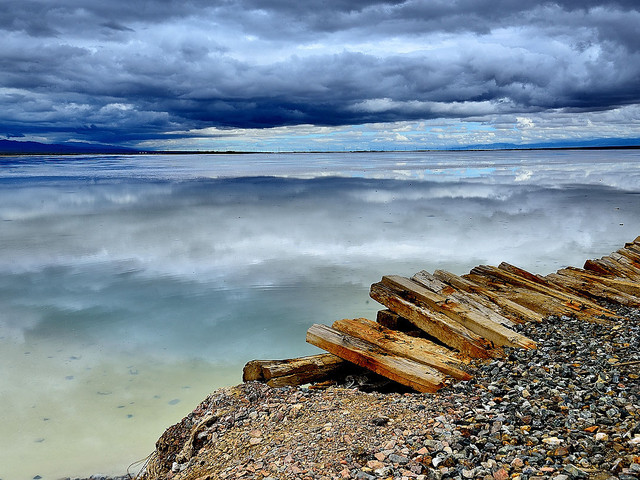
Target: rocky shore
[568, 410]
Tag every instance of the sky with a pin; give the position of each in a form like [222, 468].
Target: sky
[326, 75]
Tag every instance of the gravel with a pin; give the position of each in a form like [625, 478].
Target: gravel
[568, 410]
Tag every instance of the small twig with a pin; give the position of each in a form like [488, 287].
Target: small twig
[624, 364]
[631, 430]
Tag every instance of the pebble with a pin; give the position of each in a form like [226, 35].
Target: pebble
[397, 459]
[568, 410]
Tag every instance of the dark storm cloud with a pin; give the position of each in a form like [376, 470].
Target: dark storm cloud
[124, 71]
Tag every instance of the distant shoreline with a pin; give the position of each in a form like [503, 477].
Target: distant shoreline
[242, 152]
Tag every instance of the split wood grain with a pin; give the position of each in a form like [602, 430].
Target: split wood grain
[626, 263]
[437, 325]
[355, 350]
[631, 255]
[621, 284]
[581, 287]
[594, 290]
[294, 371]
[513, 310]
[495, 332]
[578, 303]
[543, 304]
[472, 302]
[606, 266]
[397, 343]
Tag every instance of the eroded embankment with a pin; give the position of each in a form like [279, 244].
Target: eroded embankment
[570, 407]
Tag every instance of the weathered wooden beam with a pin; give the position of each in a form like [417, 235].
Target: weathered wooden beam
[600, 268]
[514, 310]
[632, 257]
[393, 321]
[633, 248]
[620, 284]
[547, 281]
[397, 343]
[470, 301]
[632, 266]
[437, 325]
[608, 266]
[516, 280]
[355, 350]
[594, 290]
[494, 332]
[577, 302]
[293, 371]
[543, 304]
[507, 267]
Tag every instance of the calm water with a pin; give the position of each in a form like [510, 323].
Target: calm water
[132, 286]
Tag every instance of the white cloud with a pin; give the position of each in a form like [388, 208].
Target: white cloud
[556, 126]
[98, 70]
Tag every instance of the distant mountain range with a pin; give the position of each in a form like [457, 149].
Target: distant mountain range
[600, 143]
[11, 147]
[14, 147]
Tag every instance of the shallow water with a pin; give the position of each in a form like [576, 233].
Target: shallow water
[132, 286]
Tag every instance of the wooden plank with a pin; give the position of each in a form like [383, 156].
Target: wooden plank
[594, 290]
[496, 333]
[633, 248]
[608, 266]
[618, 283]
[294, 371]
[514, 310]
[402, 370]
[626, 260]
[507, 267]
[600, 268]
[571, 300]
[633, 273]
[546, 281]
[440, 326]
[631, 256]
[393, 321]
[397, 343]
[472, 302]
[553, 283]
[522, 282]
[544, 305]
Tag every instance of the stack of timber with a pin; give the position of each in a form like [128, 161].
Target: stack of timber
[434, 324]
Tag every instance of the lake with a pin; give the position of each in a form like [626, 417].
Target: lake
[132, 286]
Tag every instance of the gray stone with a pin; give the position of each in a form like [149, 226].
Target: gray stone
[397, 459]
[574, 471]
[365, 476]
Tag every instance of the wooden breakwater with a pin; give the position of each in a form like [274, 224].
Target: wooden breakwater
[434, 323]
